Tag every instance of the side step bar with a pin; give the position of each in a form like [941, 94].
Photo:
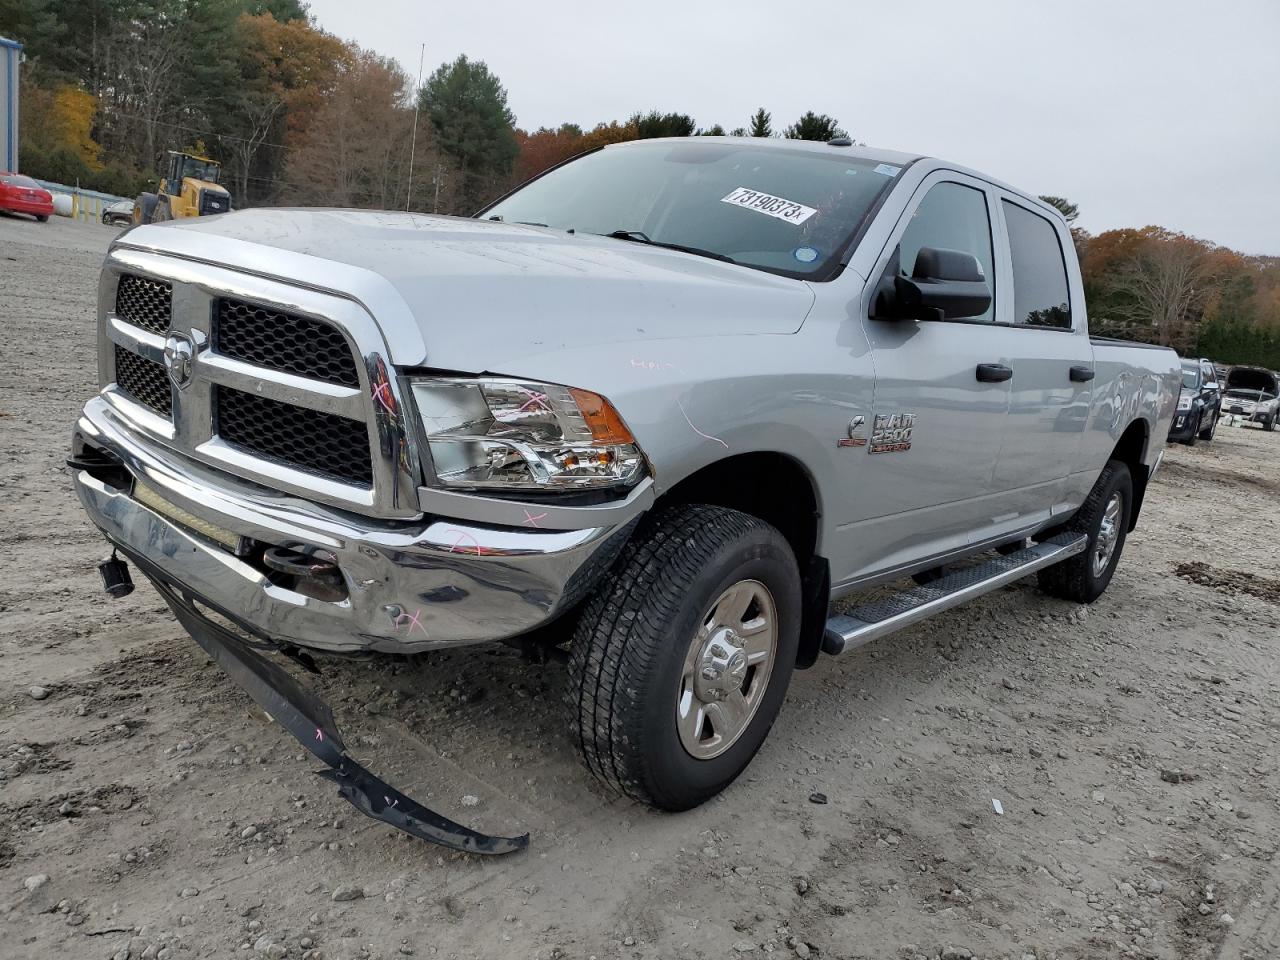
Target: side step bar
[862, 624]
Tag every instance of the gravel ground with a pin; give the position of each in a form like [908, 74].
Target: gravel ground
[148, 809]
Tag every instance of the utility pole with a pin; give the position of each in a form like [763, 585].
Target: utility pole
[413, 142]
[436, 181]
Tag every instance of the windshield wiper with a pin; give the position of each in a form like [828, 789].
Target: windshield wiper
[635, 236]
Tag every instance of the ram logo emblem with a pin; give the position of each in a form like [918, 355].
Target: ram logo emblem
[891, 432]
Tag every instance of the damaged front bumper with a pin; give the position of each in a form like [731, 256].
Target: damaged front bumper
[396, 586]
[309, 719]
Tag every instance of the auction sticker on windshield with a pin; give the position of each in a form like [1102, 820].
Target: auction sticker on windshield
[766, 203]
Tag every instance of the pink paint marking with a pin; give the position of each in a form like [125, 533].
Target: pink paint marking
[463, 535]
[383, 395]
[319, 734]
[389, 801]
[538, 401]
[705, 436]
[411, 620]
[651, 364]
[531, 521]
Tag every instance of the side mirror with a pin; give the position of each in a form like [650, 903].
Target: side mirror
[944, 285]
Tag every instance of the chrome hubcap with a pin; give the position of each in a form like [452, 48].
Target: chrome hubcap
[1104, 545]
[726, 669]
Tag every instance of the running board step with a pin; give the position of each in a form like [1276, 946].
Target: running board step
[865, 623]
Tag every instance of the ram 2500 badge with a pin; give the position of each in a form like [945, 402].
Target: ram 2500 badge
[662, 405]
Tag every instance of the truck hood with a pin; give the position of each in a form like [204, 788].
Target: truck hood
[477, 296]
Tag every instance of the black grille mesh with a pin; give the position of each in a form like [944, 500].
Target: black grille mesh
[144, 380]
[284, 341]
[144, 302]
[307, 439]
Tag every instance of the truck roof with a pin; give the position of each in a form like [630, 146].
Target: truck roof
[782, 143]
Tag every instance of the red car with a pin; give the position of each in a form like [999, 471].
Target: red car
[19, 194]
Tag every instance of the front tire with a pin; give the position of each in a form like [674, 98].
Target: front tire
[1104, 518]
[42, 217]
[681, 659]
[1208, 432]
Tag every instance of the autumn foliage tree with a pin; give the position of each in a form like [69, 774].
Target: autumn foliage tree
[544, 148]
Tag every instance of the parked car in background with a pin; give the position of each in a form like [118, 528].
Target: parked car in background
[119, 213]
[1199, 403]
[1253, 393]
[20, 194]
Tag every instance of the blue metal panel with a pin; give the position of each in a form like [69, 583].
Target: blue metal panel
[10, 55]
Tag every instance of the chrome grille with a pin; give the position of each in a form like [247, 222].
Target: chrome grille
[289, 386]
[284, 341]
[144, 302]
[145, 381]
[318, 442]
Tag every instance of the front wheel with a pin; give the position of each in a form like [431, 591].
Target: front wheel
[681, 659]
[1104, 519]
[1208, 432]
[42, 217]
[1269, 424]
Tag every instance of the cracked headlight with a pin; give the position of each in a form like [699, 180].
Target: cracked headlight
[515, 435]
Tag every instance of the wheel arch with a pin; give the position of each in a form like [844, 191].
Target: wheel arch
[1131, 450]
[780, 490]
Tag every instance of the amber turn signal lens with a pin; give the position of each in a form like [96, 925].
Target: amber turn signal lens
[604, 422]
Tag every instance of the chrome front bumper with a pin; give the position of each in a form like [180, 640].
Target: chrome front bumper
[411, 585]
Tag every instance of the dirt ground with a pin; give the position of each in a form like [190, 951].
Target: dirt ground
[1133, 746]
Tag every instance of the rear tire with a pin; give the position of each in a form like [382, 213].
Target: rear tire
[667, 701]
[144, 207]
[42, 217]
[1104, 518]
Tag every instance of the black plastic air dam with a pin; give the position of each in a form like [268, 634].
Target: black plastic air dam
[311, 721]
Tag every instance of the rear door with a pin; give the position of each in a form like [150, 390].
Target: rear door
[1052, 359]
[936, 429]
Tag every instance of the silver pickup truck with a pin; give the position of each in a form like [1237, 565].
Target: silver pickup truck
[662, 405]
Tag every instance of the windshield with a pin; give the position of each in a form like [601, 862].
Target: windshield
[791, 212]
[18, 180]
[200, 169]
[1190, 377]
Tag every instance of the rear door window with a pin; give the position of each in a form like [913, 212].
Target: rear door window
[1040, 297]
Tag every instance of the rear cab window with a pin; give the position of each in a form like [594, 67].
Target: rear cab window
[1040, 291]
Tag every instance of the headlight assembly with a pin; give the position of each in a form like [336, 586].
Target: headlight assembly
[516, 435]
[1184, 401]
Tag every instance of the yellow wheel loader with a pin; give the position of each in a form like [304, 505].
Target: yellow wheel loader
[189, 189]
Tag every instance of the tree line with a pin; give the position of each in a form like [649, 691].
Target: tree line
[294, 114]
[1161, 286]
[298, 116]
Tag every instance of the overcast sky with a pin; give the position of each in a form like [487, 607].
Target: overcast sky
[1140, 111]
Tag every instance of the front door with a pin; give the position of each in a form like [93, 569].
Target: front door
[935, 435]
